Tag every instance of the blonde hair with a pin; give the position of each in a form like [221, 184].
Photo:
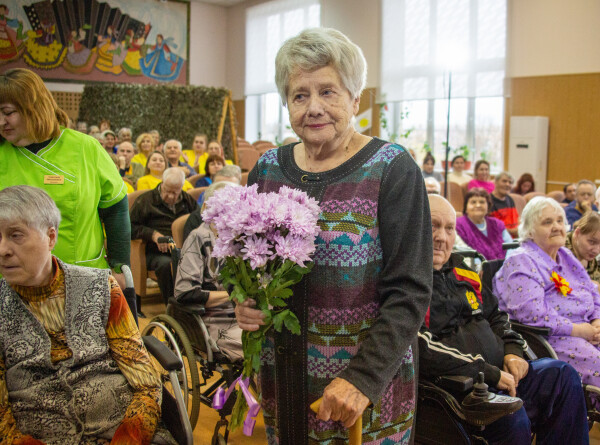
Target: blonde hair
[26, 91]
[139, 140]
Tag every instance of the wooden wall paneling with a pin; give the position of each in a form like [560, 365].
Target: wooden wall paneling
[571, 102]
[69, 102]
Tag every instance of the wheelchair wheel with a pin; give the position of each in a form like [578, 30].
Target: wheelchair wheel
[170, 332]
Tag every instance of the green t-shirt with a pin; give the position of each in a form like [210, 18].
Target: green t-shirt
[79, 175]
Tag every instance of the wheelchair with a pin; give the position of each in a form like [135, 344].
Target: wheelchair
[205, 369]
[537, 342]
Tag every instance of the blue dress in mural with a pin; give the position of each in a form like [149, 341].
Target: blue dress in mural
[161, 63]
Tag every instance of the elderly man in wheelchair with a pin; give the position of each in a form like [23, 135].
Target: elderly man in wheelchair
[465, 333]
[73, 368]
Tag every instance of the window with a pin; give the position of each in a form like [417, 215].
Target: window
[431, 48]
[268, 25]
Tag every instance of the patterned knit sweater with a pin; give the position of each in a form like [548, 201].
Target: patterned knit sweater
[362, 304]
[47, 304]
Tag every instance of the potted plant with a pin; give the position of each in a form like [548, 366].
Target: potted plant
[463, 151]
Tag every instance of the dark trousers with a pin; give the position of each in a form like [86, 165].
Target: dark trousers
[553, 408]
[160, 263]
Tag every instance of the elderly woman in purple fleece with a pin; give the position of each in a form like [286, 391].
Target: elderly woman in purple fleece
[481, 232]
[543, 284]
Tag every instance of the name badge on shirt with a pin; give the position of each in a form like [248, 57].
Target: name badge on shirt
[54, 179]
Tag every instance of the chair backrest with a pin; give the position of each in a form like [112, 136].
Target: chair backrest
[177, 230]
[529, 196]
[131, 197]
[263, 144]
[244, 180]
[248, 159]
[519, 202]
[192, 179]
[465, 188]
[488, 270]
[456, 196]
[195, 193]
[557, 195]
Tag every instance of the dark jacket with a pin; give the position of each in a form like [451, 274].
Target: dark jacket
[464, 332]
[150, 213]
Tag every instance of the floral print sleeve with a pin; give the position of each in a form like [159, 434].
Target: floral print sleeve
[128, 350]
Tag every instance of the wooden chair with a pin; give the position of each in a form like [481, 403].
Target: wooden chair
[138, 267]
[456, 196]
[243, 143]
[177, 230]
[260, 145]
[557, 195]
[519, 202]
[529, 196]
[248, 159]
[465, 188]
[195, 193]
[131, 197]
[244, 180]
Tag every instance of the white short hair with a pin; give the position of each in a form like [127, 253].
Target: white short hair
[316, 48]
[431, 181]
[178, 143]
[174, 175]
[30, 205]
[532, 214]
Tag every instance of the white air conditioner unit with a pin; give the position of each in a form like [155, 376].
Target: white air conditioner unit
[528, 148]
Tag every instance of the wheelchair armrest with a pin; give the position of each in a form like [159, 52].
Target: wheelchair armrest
[192, 309]
[167, 359]
[455, 383]
[535, 330]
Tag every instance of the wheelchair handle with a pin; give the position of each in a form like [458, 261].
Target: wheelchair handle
[355, 436]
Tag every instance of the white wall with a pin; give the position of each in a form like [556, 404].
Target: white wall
[208, 45]
[550, 37]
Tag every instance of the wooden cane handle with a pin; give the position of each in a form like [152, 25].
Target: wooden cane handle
[355, 436]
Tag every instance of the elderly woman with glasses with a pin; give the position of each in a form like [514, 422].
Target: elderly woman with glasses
[73, 368]
[543, 284]
[361, 306]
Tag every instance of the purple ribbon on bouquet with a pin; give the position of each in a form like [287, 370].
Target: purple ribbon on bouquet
[221, 397]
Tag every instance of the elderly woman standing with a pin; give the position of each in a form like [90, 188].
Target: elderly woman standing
[361, 306]
[73, 368]
[543, 284]
[36, 149]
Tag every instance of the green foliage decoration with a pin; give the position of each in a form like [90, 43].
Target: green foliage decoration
[177, 112]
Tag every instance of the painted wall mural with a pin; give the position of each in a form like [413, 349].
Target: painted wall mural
[141, 41]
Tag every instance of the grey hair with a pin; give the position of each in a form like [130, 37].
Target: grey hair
[174, 175]
[585, 182]
[230, 171]
[532, 214]
[30, 205]
[210, 191]
[178, 143]
[316, 48]
[506, 174]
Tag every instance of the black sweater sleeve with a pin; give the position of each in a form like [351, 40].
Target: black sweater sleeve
[405, 281]
[118, 232]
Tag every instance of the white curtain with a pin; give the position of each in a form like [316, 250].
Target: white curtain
[423, 40]
[268, 25]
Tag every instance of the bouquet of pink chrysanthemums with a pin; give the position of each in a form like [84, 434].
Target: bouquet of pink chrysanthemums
[265, 239]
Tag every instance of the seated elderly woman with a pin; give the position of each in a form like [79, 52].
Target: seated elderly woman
[584, 242]
[479, 231]
[73, 368]
[482, 177]
[197, 283]
[543, 284]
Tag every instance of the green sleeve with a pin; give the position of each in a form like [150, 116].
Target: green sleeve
[112, 187]
[118, 232]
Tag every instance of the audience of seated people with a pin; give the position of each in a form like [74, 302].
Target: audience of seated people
[151, 217]
[584, 242]
[482, 177]
[585, 195]
[173, 151]
[465, 333]
[503, 206]
[156, 165]
[145, 145]
[213, 164]
[215, 148]
[128, 169]
[569, 191]
[110, 139]
[525, 184]
[73, 367]
[478, 230]
[458, 174]
[543, 284]
[197, 283]
[428, 165]
[196, 157]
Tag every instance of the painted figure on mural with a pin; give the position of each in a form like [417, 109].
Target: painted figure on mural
[10, 40]
[110, 52]
[161, 63]
[80, 59]
[44, 50]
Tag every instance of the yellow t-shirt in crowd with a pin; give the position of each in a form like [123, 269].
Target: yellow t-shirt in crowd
[149, 182]
[140, 158]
